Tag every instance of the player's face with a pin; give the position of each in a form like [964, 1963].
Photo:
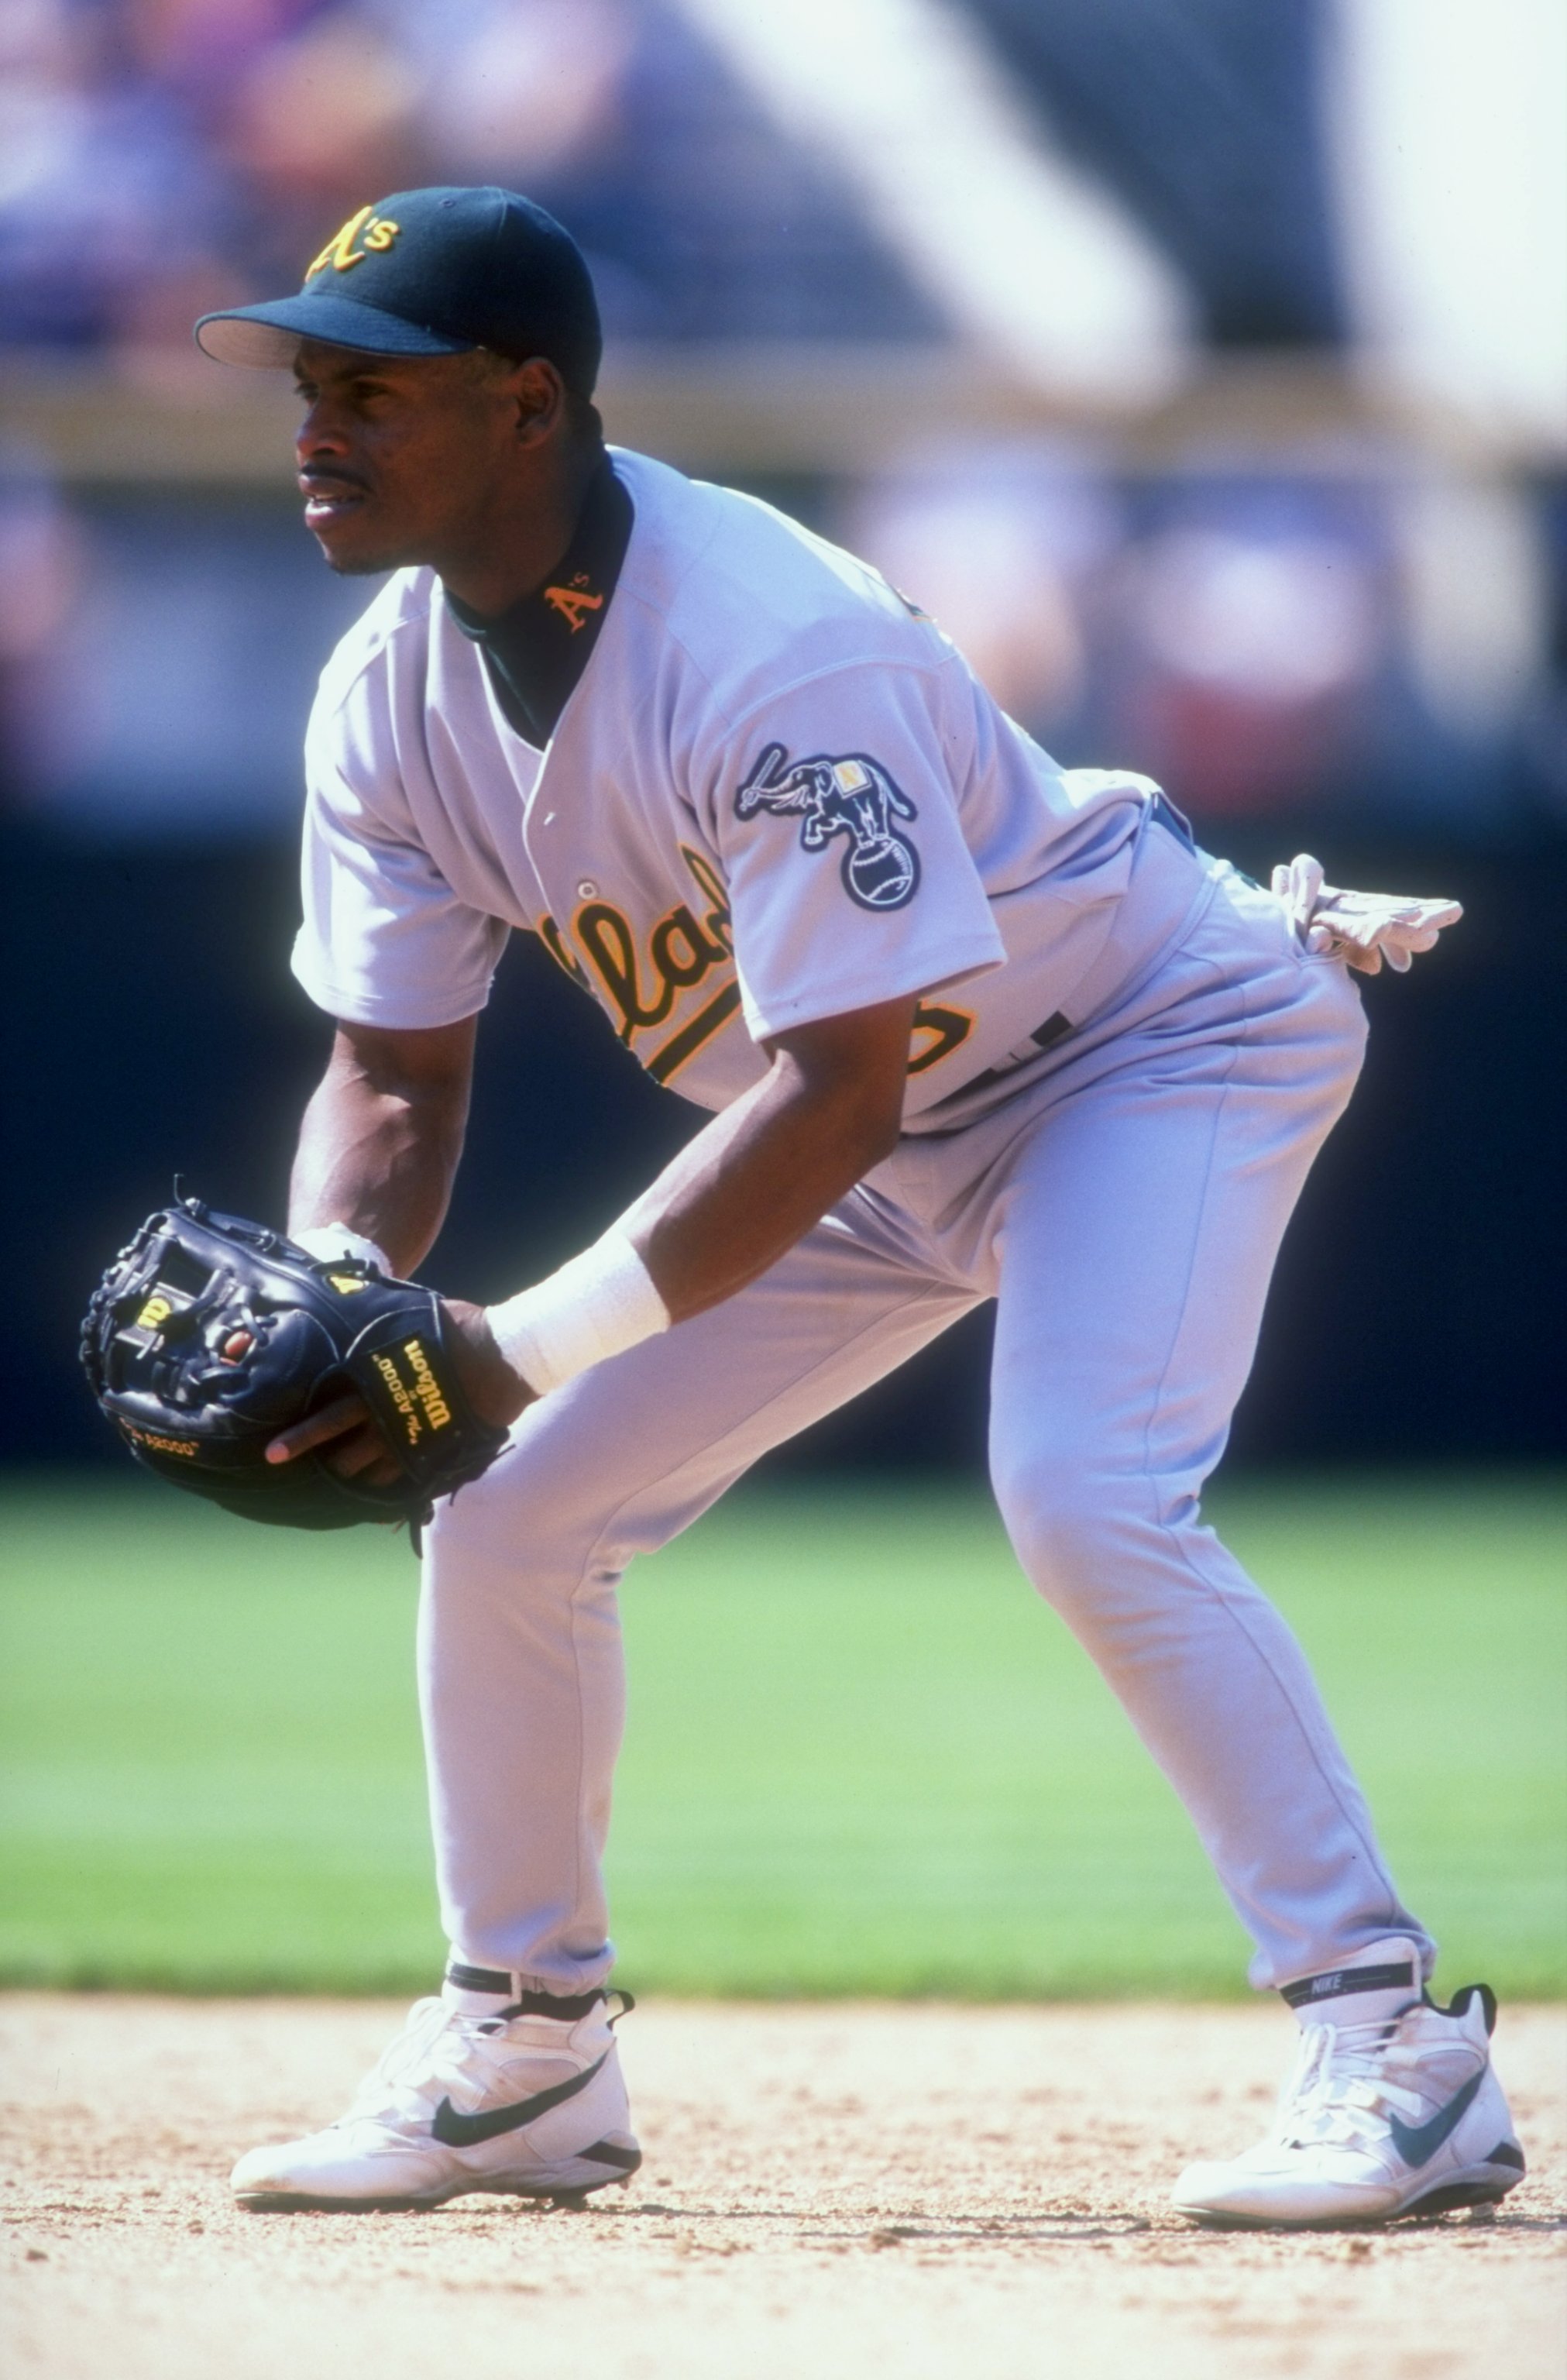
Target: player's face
[403, 459]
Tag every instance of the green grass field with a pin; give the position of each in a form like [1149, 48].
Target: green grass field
[862, 1757]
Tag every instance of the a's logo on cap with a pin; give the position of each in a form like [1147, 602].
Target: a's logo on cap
[373, 232]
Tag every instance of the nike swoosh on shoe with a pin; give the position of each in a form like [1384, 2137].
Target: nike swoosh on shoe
[456, 2131]
[1417, 2144]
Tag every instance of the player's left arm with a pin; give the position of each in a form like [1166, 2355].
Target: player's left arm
[737, 1197]
[752, 1182]
[759, 1176]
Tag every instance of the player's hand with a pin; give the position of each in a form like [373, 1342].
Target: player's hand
[1362, 929]
[358, 1451]
[496, 1394]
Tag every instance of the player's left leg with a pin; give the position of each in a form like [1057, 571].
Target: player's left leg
[1137, 1225]
[1136, 1219]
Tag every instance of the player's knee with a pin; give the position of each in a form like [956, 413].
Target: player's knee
[516, 1535]
[1064, 1522]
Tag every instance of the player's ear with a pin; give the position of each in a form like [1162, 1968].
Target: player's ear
[537, 393]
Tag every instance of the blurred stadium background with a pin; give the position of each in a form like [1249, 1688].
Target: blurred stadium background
[1202, 367]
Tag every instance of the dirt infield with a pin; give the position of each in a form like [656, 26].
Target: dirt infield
[828, 2192]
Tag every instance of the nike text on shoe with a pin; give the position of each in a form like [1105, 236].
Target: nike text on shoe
[1396, 2115]
[528, 2102]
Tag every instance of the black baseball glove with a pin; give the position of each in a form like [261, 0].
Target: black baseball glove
[209, 1335]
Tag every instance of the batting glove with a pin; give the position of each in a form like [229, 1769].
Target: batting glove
[1362, 929]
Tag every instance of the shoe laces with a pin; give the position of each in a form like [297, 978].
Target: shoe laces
[439, 2046]
[1346, 2082]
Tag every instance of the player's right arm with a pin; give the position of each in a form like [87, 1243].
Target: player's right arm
[390, 950]
[378, 1152]
[383, 1134]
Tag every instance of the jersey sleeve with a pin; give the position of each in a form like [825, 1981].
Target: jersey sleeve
[384, 940]
[835, 811]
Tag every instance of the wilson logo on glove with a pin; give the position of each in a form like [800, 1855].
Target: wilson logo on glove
[436, 1411]
[409, 1396]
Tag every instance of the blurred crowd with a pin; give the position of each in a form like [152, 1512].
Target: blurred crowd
[1358, 626]
[1371, 641]
[1354, 636]
[162, 157]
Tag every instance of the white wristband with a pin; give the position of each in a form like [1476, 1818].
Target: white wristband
[601, 1302]
[332, 1241]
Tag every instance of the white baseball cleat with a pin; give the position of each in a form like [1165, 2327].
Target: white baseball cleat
[519, 2102]
[1400, 2115]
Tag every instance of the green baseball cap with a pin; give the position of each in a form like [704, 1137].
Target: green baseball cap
[433, 273]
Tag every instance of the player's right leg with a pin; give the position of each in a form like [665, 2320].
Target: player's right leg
[510, 2080]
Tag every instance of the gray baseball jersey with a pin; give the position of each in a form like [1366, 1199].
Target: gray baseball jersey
[776, 793]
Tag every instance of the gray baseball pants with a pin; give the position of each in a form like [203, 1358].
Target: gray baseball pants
[1124, 1207]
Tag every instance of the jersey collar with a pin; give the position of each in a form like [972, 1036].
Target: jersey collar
[536, 652]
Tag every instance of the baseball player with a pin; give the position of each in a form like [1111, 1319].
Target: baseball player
[967, 1026]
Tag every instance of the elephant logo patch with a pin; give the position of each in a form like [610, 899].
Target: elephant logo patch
[852, 796]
